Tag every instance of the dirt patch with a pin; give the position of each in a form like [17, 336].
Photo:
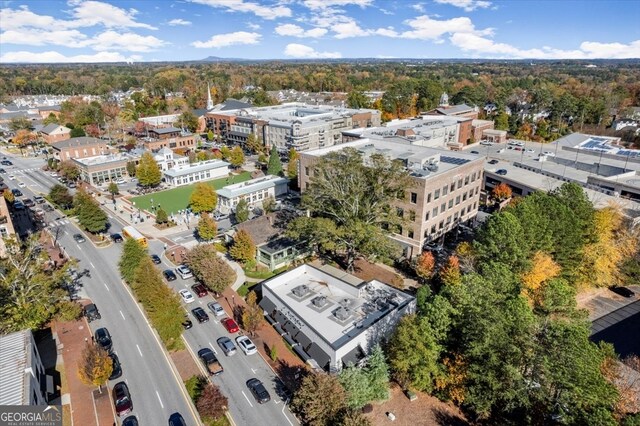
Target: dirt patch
[426, 410]
[185, 364]
[368, 271]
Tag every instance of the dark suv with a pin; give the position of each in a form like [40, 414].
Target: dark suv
[258, 390]
[199, 289]
[91, 312]
[122, 399]
[200, 315]
[169, 275]
[103, 338]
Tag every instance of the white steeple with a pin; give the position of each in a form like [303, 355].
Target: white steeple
[209, 101]
[444, 100]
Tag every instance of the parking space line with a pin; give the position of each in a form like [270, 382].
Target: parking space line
[122, 315]
[245, 396]
[105, 286]
[139, 351]
[92, 265]
[159, 399]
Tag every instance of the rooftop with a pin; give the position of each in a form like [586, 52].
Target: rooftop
[334, 305]
[13, 365]
[165, 130]
[196, 168]
[104, 159]
[244, 188]
[420, 161]
[78, 142]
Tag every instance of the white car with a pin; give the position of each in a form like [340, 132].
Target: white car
[549, 153]
[120, 181]
[246, 345]
[22, 184]
[184, 272]
[12, 177]
[187, 296]
[529, 151]
[53, 174]
[488, 143]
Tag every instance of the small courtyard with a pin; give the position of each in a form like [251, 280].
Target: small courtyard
[176, 199]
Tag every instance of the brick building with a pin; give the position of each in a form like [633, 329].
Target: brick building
[82, 147]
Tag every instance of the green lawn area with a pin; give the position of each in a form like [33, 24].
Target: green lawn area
[176, 199]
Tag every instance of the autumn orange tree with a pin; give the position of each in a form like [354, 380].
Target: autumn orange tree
[543, 268]
[501, 192]
[425, 264]
[450, 272]
[251, 314]
[95, 366]
[24, 138]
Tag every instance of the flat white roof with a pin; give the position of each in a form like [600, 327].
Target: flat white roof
[196, 168]
[253, 185]
[363, 303]
[103, 159]
[13, 363]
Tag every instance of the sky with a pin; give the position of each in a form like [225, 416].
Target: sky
[46, 31]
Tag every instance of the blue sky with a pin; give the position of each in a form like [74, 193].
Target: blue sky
[159, 30]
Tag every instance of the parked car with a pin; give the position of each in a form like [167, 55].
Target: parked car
[176, 420]
[494, 161]
[216, 309]
[22, 184]
[622, 291]
[16, 192]
[121, 181]
[485, 142]
[210, 361]
[187, 296]
[187, 324]
[3, 171]
[156, 259]
[501, 172]
[116, 367]
[200, 314]
[79, 238]
[200, 290]
[258, 390]
[18, 205]
[184, 272]
[246, 345]
[130, 421]
[122, 399]
[91, 312]
[6, 163]
[475, 152]
[103, 338]
[227, 346]
[47, 208]
[230, 325]
[116, 238]
[29, 202]
[38, 199]
[169, 275]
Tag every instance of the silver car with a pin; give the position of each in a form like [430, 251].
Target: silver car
[216, 309]
[227, 346]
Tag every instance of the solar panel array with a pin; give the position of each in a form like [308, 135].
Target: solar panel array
[453, 160]
[601, 145]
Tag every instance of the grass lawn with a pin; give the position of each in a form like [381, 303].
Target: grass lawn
[176, 199]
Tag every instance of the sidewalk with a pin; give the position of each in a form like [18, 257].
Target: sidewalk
[86, 410]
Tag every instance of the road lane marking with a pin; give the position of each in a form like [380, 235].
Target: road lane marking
[161, 404]
[214, 349]
[283, 413]
[139, 351]
[92, 265]
[245, 396]
[254, 370]
[122, 315]
[105, 286]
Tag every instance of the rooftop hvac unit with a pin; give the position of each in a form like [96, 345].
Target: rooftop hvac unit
[342, 313]
[319, 301]
[301, 290]
[345, 302]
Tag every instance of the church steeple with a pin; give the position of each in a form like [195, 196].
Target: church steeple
[209, 101]
[444, 100]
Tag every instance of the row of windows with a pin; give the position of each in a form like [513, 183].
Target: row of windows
[253, 198]
[443, 223]
[447, 188]
[458, 200]
[193, 177]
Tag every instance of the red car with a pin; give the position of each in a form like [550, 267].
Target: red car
[230, 325]
[199, 289]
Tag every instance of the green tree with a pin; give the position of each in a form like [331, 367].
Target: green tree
[148, 171]
[226, 153]
[236, 157]
[502, 121]
[77, 132]
[132, 254]
[90, 216]
[275, 166]
[19, 123]
[357, 100]
[209, 268]
[95, 366]
[292, 166]
[500, 240]
[243, 248]
[187, 120]
[378, 375]
[60, 196]
[31, 290]
[113, 189]
[355, 382]
[269, 204]
[254, 144]
[51, 119]
[252, 314]
[210, 135]
[207, 228]
[203, 198]
[341, 181]
[242, 211]
[319, 400]
[368, 383]
[161, 217]
[131, 168]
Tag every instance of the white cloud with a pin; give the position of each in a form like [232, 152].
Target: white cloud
[325, 4]
[418, 6]
[253, 26]
[426, 28]
[178, 21]
[305, 52]
[23, 17]
[293, 30]
[387, 12]
[111, 40]
[467, 5]
[56, 57]
[348, 30]
[230, 39]
[488, 48]
[265, 12]
[39, 37]
[90, 13]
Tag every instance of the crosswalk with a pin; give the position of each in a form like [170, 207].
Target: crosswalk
[24, 171]
[59, 222]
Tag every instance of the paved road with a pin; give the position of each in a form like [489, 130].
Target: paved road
[237, 368]
[155, 389]
[620, 328]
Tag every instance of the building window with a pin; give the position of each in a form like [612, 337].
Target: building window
[412, 215]
[436, 195]
[443, 207]
[426, 233]
[445, 190]
[441, 224]
[459, 183]
[464, 196]
[474, 205]
[450, 203]
[457, 200]
[410, 234]
[426, 217]
[306, 171]
[414, 198]
[399, 212]
[428, 197]
[449, 220]
[433, 229]
[466, 180]
[435, 212]
[473, 177]
[477, 188]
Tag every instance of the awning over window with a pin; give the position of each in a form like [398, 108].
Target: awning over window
[267, 305]
[319, 355]
[354, 356]
[305, 356]
[302, 338]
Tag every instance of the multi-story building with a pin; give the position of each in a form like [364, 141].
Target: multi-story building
[100, 169]
[82, 147]
[332, 319]
[445, 188]
[187, 174]
[54, 133]
[254, 191]
[293, 125]
[24, 381]
[169, 137]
